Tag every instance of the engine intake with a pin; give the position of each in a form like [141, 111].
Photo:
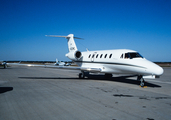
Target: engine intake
[78, 54]
[75, 55]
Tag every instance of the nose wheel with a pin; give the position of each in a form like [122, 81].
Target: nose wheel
[142, 83]
[140, 78]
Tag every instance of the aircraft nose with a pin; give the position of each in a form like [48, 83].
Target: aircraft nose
[154, 69]
[158, 70]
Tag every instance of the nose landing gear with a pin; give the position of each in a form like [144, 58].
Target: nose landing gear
[141, 79]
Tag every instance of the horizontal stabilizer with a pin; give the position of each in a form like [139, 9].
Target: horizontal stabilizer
[56, 36]
[63, 36]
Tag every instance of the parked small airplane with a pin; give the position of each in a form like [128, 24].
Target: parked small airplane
[120, 61]
[2, 63]
[59, 63]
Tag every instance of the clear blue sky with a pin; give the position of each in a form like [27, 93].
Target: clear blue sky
[141, 25]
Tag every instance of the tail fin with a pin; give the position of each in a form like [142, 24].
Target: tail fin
[57, 60]
[71, 43]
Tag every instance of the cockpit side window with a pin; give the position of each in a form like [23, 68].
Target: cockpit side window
[132, 55]
[135, 55]
[127, 56]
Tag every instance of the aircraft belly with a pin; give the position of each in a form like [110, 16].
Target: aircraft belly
[116, 68]
[121, 69]
[105, 68]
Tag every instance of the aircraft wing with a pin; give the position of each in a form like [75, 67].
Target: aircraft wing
[57, 67]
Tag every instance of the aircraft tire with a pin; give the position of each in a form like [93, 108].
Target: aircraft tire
[142, 84]
[140, 78]
[108, 76]
[81, 75]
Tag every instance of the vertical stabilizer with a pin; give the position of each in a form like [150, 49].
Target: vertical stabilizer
[73, 54]
[71, 43]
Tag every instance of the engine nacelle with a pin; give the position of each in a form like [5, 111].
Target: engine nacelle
[75, 55]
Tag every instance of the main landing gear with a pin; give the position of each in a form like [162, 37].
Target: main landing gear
[108, 76]
[5, 65]
[81, 75]
[141, 79]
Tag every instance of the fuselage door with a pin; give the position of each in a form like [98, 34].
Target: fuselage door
[93, 56]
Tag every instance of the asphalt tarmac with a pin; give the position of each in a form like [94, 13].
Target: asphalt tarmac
[28, 93]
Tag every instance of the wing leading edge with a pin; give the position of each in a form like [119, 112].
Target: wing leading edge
[58, 67]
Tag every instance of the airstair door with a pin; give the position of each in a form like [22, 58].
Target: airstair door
[93, 56]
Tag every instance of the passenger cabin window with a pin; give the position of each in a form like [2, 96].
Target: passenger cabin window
[93, 56]
[89, 56]
[105, 56]
[101, 55]
[97, 55]
[110, 56]
[132, 55]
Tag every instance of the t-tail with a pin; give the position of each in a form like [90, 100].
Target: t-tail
[73, 54]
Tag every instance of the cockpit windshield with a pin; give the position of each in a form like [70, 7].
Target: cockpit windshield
[132, 55]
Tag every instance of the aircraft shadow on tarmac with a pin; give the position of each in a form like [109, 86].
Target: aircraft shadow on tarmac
[101, 78]
[123, 79]
[5, 89]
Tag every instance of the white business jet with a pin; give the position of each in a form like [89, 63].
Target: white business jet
[59, 63]
[120, 61]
